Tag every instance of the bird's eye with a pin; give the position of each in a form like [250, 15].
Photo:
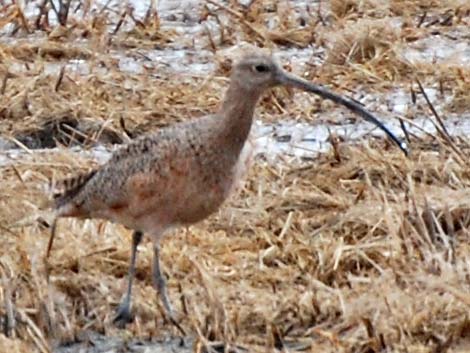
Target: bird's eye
[262, 68]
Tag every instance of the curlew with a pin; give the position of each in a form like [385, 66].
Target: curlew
[181, 174]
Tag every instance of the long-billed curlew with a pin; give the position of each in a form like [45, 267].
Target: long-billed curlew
[181, 174]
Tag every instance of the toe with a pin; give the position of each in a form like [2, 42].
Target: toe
[123, 317]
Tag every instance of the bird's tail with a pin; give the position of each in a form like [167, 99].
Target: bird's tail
[65, 190]
[63, 193]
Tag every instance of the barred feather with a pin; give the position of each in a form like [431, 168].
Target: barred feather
[65, 190]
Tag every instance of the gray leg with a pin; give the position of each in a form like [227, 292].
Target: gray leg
[160, 285]
[123, 313]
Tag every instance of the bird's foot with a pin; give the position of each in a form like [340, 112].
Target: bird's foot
[123, 315]
[172, 318]
[168, 310]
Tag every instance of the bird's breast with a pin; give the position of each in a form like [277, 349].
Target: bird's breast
[211, 183]
[185, 190]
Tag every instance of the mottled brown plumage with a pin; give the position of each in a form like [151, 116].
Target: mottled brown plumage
[181, 174]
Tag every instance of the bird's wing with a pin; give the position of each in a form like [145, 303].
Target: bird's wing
[109, 179]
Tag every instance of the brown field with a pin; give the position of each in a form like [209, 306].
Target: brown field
[360, 249]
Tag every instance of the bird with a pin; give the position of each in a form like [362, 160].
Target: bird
[179, 175]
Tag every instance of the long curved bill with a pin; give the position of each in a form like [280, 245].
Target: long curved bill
[294, 81]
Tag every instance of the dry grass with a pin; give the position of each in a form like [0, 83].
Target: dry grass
[361, 250]
[367, 40]
[367, 252]
[94, 104]
[460, 80]
[360, 48]
[369, 46]
[380, 9]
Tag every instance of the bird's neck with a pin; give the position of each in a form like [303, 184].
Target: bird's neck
[236, 112]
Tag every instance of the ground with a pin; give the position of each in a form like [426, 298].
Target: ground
[336, 242]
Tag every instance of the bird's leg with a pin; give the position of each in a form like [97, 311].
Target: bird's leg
[160, 285]
[160, 282]
[123, 313]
